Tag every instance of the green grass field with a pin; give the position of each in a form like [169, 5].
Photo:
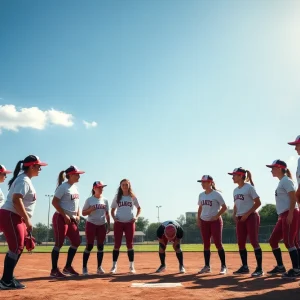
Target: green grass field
[152, 248]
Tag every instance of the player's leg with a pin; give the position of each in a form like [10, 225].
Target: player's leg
[179, 254]
[289, 235]
[216, 232]
[205, 229]
[129, 230]
[252, 223]
[241, 233]
[13, 229]
[162, 253]
[101, 234]
[74, 237]
[297, 240]
[118, 234]
[275, 238]
[90, 233]
[60, 231]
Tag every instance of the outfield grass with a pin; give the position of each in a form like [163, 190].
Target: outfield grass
[153, 248]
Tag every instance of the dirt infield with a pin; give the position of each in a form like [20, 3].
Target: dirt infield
[33, 270]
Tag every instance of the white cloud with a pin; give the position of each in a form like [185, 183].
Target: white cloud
[13, 119]
[89, 125]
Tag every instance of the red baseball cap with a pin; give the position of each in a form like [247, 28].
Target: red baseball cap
[73, 170]
[32, 160]
[296, 141]
[3, 170]
[238, 171]
[99, 184]
[170, 232]
[206, 178]
[278, 163]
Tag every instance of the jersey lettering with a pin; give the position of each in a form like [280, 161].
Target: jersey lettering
[206, 202]
[239, 197]
[100, 206]
[125, 203]
[74, 196]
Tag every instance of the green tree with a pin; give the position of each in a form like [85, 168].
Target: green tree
[268, 214]
[40, 232]
[81, 224]
[141, 224]
[151, 232]
[181, 220]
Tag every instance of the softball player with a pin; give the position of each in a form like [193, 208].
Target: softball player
[96, 208]
[170, 231]
[210, 222]
[124, 221]
[296, 143]
[65, 219]
[246, 202]
[287, 224]
[16, 214]
[3, 174]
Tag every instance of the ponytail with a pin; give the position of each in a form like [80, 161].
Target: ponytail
[61, 178]
[93, 192]
[213, 186]
[16, 172]
[287, 172]
[248, 178]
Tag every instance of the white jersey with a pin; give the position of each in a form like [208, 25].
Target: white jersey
[243, 198]
[211, 204]
[125, 208]
[69, 198]
[2, 199]
[22, 185]
[97, 216]
[298, 172]
[282, 197]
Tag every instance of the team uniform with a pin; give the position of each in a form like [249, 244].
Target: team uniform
[170, 231]
[3, 171]
[69, 202]
[282, 229]
[2, 199]
[211, 204]
[95, 227]
[13, 225]
[243, 201]
[124, 224]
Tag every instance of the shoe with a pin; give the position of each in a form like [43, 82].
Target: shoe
[85, 271]
[277, 270]
[132, 270]
[70, 271]
[113, 270]
[100, 271]
[57, 274]
[13, 285]
[290, 274]
[242, 270]
[223, 270]
[161, 269]
[205, 269]
[181, 269]
[18, 283]
[258, 272]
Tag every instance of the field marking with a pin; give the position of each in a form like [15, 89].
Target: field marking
[156, 285]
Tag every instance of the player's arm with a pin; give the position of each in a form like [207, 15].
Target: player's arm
[198, 215]
[255, 206]
[293, 201]
[77, 219]
[138, 212]
[234, 214]
[19, 206]
[108, 222]
[112, 212]
[88, 211]
[56, 204]
[221, 211]
[298, 194]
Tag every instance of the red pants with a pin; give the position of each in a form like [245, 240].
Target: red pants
[212, 229]
[63, 230]
[14, 229]
[284, 231]
[93, 231]
[128, 228]
[297, 240]
[248, 228]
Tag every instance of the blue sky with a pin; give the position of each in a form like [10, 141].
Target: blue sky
[178, 89]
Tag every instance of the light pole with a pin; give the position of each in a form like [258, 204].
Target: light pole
[158, 207]
[49, 197]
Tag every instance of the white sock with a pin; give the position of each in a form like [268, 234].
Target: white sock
[114, 264]
[131, 264]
